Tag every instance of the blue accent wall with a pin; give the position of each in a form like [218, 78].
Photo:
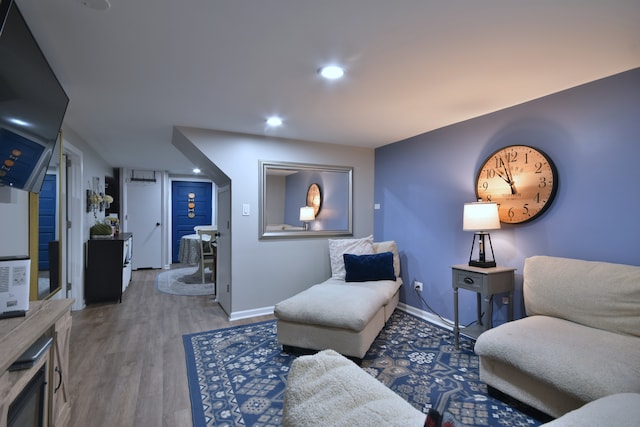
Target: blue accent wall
[591, 132]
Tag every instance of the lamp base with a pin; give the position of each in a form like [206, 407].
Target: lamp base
[482, 264]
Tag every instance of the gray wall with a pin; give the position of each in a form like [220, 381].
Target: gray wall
[265, 272]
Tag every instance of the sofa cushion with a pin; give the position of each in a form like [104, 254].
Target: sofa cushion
[327, 389]
[584, 362]
[362, 268]
[339, 247]
[616, 410]
[389, 246]
[336, 303]
[597, 294]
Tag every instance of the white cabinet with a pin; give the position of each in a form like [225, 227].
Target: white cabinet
[126, 262]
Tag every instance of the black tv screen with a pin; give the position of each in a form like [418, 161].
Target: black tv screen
[32, 104]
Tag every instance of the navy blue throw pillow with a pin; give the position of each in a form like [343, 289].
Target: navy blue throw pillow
[363, 268]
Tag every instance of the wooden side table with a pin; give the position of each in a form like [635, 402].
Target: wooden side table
[486, 282]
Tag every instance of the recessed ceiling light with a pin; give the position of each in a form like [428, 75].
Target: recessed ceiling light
[196, 170]
[331, 72]
[274, 121]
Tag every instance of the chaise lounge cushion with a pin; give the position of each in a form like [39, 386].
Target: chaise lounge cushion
[339, 247]
[325, 304]
[389, 246]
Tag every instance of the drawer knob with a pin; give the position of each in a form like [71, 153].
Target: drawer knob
[468, 280]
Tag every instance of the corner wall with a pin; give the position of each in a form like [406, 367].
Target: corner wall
[265, 272]
[591, 132]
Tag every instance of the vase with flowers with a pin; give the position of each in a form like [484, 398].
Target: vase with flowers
[114, 223]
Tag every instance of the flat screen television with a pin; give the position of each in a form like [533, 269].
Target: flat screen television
[32, 104]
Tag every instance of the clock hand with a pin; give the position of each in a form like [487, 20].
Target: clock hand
[509, 179]
[506, 179]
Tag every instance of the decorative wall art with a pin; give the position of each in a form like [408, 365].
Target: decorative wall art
[191, 205]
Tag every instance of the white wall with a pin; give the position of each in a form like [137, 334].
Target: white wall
[264, 272]
[92, 165]
[14, 231]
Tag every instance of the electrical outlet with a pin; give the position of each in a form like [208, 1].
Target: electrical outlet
[417, 286]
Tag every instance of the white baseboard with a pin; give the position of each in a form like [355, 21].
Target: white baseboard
[263, 311]
[426, 315]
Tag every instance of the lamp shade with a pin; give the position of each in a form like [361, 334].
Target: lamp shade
[306, 213]
[480, 216]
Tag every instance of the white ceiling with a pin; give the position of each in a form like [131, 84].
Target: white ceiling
[134, 71]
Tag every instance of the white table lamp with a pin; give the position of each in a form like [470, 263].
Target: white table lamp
[306, 215]
[480, 217]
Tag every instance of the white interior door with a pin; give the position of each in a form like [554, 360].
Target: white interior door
[223, 271]
[143, 219]
[73, 213]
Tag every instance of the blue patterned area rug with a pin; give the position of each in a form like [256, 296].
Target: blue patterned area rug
[237, 375]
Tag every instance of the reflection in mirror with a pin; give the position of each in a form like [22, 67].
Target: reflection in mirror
[286, 189]
[48, 230]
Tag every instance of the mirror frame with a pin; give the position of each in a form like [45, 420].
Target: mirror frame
[266, 166]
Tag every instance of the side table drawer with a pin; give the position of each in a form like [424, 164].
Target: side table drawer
[468, 280]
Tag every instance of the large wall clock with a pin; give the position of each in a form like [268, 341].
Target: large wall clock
[521, 179]
[314, 198]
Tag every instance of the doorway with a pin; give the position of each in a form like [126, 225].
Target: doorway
[191, 205]
[143, 217]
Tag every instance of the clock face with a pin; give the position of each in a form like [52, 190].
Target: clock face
[314, 198]
[522, 180]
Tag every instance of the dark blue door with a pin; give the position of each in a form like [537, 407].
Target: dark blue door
[47, 220]
[190, 206]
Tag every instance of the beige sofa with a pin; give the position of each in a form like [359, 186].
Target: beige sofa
[579, 342]
[342, 315]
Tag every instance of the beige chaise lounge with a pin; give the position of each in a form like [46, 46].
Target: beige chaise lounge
[338, 314]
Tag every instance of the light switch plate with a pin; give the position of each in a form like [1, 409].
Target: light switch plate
[246, 209]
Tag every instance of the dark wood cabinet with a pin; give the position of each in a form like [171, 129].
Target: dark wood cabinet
[108, 270]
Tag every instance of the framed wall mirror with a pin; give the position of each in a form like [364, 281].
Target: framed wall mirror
[305, 200]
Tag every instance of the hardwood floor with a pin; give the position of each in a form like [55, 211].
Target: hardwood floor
[127, 364]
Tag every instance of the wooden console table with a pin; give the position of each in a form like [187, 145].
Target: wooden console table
[50, 318]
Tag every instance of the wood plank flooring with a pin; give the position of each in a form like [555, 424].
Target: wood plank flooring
[127, 364]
